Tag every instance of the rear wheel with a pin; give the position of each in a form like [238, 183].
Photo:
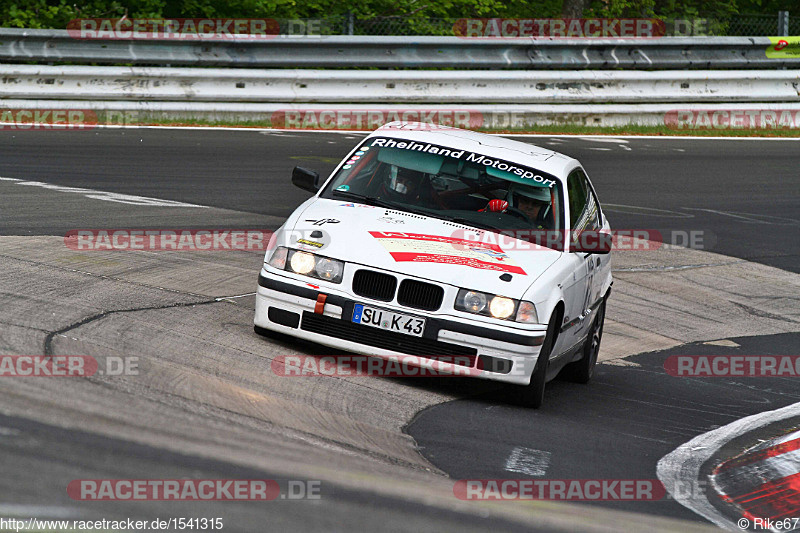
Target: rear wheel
[532, 395]
[582, 371]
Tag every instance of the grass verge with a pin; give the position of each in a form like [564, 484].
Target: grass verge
[559, 129]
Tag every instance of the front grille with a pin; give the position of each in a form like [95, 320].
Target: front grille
[374, 285]
[420, 295]
[388, 340]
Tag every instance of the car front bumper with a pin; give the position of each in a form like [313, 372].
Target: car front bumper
[322, 315]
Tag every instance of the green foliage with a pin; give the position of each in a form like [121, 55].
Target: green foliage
[758, 7]
[665, 9]
[57, 13]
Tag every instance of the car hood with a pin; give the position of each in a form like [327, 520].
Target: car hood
[420, 246]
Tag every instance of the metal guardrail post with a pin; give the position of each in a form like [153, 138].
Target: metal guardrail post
[350, 23]
[783, 23]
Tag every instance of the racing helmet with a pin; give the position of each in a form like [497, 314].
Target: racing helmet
[403, 183]
[540, 194]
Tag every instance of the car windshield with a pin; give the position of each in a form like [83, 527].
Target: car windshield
[451, 184]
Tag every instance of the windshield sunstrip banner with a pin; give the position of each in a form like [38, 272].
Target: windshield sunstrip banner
[516, 172]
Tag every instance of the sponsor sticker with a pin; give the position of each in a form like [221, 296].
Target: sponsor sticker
[350, 204]
[307, 242]
[420, 248]
[391, 220]
[784, 48]
[322, 221]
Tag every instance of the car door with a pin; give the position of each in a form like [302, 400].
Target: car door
[575, 289]
[598, 265]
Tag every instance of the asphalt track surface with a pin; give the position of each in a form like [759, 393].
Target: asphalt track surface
[617, 428]
[742, 195]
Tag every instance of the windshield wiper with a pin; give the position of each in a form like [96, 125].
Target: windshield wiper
[369, 200]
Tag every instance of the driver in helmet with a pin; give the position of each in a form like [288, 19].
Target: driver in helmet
[533, 202]
[403, 185]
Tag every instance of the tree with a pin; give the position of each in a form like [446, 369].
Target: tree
[573, 9]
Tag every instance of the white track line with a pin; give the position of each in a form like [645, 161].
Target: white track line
[681, 467]
[528, 461]
[94, 194]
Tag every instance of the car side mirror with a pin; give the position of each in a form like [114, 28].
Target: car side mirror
[591, 241]
[306, 179]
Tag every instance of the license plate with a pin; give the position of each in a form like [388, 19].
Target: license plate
[388, 320]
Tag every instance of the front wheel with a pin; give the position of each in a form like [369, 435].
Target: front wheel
[581, 371]
[532, 395]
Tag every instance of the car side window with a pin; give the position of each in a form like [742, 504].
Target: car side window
[577, 191]
[592, 211]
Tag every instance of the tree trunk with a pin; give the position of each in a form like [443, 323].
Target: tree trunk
[573, 9]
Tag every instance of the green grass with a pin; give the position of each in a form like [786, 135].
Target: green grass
[562, 129]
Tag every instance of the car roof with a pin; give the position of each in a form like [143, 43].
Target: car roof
[490, 145]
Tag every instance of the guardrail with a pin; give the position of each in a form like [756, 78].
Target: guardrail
[398, 52]
[518, 84]
[402, 86]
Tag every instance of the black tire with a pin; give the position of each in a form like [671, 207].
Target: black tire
[532, 395]
[582, 371]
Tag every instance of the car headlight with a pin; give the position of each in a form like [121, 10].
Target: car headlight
[328, 269]
[474, 302]
[502, 307]
[302, 262]
[481, 303]
[308, 264]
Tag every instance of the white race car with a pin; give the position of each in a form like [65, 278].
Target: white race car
[460, 248]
